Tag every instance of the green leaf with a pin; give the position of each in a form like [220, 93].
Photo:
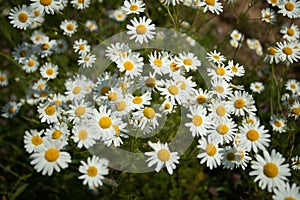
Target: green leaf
[19, 191]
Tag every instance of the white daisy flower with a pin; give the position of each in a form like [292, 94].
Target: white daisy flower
[80, 4]
[272, 55]
[116, 139]
[3, 79]
[49, 157]
[48, 113]
[22, 52]
[219, 110]
[292, 85]
[209, 152]
[273, 2]
[83, 135]
[290, 32]
[133, 6]
[257, 87]
[21, 17]
[242, 103]
[236, 35]
[220, 72]
[58, 132]
[173, 92]
[131, 65]
[32, 139]
[287, 192]
[288, 51]
[199, 121]
[118, 15]
[81, 46]
[241, 158]
[30, 65]
[187, 60]
[166, 107]
[295, 110]
[289, 8]
[295, 163]
[278, 124]
[46, 47]
[75, 88]
[86, 60]
[213, 6]
[93, 171]
[47, 6]
[69, 27]
[236, 69]
[220, 88]
[147, 83]
[254, 137]
[115, 51]
[49, 71]
[10, 109]
[61, 46]
[162, 156]
[200, 97]
[141, 30]
[268, 15]
[36, 36]
[91, 25]
[138, 102]
[41, 84]
[223, 130]
[158, 62]
[147, 116]
[269, 170]
[216, 57]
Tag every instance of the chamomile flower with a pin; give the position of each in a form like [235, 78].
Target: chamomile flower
[220, 72]
[268, 15]
[79, 110]
[30, 65]
[269, 170]
[236, 69]
[91, 25]
[295, 163]
[242, 103]
[118, 15]
[10, 109]
[49, 71]
[272, 55]
[41, 84]
[216, 57]
[167, 107]
[3, 79]
[116, 139]
[48, 113]
[36, 36]
[228, 157]
[86, 60]
[46, 47]
[278, 124]
[235, 43]
[236, 35]
[49, 157]
[32, 139]
[220, 88]
[61, 46]
[22, 52]
[257, 87]
[131, 65]
[290, 32]
[158, 62]
[69, 27]
[83, 135]
[172, 92]
[200, 97]
[273, 2]
[147, 83]
[58, 132]
[241, 158]
[138, 102]
[80, 4]
[295, 110]
[188, 60]
[93, 171]
[292, 85]
[133, 6]
[254, 137]
[213, 6]
[47, 6]
[287, 51]
[198, 121]
[81, 46]
[75, 88]
[289, 8]
[141, 30]
[223, 130]
[162, 156]
[21, 17]
[209, 152]
[115, 51]
[287, 192]
[38, 18]
[219, 110]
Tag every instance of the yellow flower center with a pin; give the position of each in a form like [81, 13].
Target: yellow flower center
[150, 82]
[121, 105]
[287, 50]
[141, 29]
[49, 71]
[23, 17]
[2, 78]
[80, 1]
[220, 71]
[128, 65]
[92, 171]
[182, 84]
[45, 46]
[252, 135]
[278, 123]
[45, 2]
[113, 96]
[274, 1]
[173, 89]
[117, 129]
[270, 170]
[149, 113]
[293, 86]
[221, 110]
[80, 110]
[222, 129]
[104, 90]
[36, 13]
[201, 99]
[216, 57]
[157, 62]
[43, 94]
[219, 89]
[240, 155]
[76, 90]
[267, 16]
[272, 51]
[211, 149]
[70, 27]
[289, 198]
[40, 86]
[174, 67]
[105, 122]
[234, 68]
[133, 7]
[163, 155]
[289, 6]
[290, 31]
[57, 102]
[167, 106]
[38, 37]
[52, 154]
[137, 100]
[82, 134]
[30, 62]
[296, 111]
[56, 134]
[210, 2]
[23, 53]
[36, 140]
[239, 103]
[187, 61]
[230, 156]
[50, 110]
[81, 47]
[197, 120]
